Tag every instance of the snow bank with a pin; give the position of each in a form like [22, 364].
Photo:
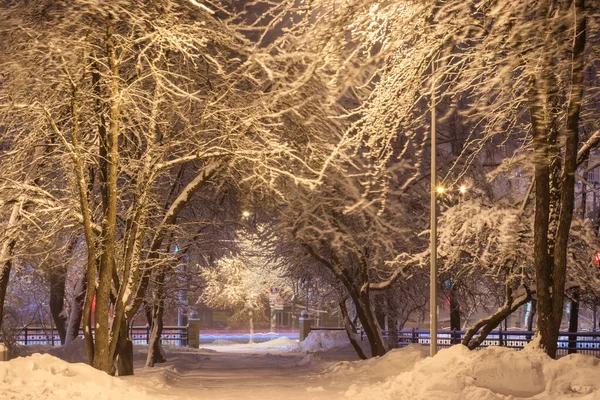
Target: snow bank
[73, 352]
[488, 374]
[45, 377]
[323, 341]
[393, 363]
[281, 344]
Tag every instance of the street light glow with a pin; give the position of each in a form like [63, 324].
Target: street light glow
[440, 190]
[246, 214]
[463, 189]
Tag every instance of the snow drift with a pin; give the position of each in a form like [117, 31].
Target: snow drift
[323, 340]
[489, 374]
[393, 363]
[45, 377]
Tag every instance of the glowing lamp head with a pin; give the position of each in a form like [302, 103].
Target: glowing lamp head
[440, 190]
[246, 214]
[463, 189]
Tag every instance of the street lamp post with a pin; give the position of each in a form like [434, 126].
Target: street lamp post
[433, 259]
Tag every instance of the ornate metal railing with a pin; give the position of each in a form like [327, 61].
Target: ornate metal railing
[171, 335]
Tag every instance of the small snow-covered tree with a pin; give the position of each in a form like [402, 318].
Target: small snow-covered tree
[242, 284]
[490, 242]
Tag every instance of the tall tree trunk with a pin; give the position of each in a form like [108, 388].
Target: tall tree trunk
[6, 253]
[76, 313]
[109, 144]
[155, 353]
[124, 351]
[574, 320]
[11, 229]
[251, 322]
[58, 281]
[392, 331]
[551, 268]
[531, 316]
[6, 266]
[4, 278]
[454, 310]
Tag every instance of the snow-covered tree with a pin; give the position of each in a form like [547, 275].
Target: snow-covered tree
[142, 103]
[518, 67]
[242, 284]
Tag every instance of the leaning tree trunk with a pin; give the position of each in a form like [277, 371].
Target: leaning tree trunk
[359, 292]
[351, 330]
[369, 323]
[486, 325]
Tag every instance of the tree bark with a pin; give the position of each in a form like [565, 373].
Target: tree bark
[4, 278]
[109, 144]
[454, 310]
[6, 254]
[358, 288]
[351, 330]
[76, 313]
[574, 320]
[392, 332]
[369, 323]
[155, 353]
[6, 266]
[532, 313]
[58, 280]
[488, 324]
[551, 267]
[124, 352]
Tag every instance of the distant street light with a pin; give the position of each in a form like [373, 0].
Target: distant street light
[246, 214]
[463, 189]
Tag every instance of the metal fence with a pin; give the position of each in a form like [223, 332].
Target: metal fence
[171, 335]
[580, 342]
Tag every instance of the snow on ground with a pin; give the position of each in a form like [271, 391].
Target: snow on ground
[279, 345]
[493, 373]
[282, 368]
[42, 376]
[323, 341]
[316, 341]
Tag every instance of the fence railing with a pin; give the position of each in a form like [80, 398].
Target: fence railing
[171, 335]
[579, 342]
